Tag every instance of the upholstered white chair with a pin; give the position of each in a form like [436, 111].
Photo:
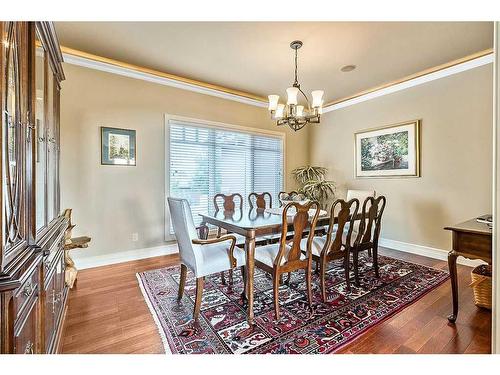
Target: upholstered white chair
[203, 257]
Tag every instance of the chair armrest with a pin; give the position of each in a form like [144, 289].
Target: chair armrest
[228, 237]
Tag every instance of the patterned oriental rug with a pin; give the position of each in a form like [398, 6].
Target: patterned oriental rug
[222, 326]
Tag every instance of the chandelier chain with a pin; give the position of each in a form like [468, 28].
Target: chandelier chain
[296, 80]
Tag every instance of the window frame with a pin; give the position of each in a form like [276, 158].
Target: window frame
[210, 125]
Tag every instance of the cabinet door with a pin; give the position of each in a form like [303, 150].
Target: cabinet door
[41, 69]
[51, 143]
[49, 323]
[14, 126]
[60, 285]
[26, 335]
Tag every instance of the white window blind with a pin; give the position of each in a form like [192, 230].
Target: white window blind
[205, 161]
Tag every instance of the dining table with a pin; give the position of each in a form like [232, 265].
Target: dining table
[252, 224]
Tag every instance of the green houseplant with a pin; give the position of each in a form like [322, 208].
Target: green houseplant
[313, 183]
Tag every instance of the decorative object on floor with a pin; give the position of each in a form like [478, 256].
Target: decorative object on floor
[481, 285]
[388, 151]
[118, 146]
[292, 114]
[71, 272]
[313, 183]
[223, 327]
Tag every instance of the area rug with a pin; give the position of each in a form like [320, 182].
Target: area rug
[222, 326]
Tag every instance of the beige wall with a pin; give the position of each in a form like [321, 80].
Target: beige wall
[112, 202]
[456, 154]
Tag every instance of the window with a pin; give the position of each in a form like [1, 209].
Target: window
[206, 160]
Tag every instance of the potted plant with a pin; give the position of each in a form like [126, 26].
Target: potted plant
[313, 183]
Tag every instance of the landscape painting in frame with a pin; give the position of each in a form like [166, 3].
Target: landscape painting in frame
[117, 146]
[389, 151]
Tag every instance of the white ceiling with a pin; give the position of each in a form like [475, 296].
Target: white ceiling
[255, 56]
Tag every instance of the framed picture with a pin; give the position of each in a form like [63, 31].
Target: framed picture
[388, 151]
[118, 146]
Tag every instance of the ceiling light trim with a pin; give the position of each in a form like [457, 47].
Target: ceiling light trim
[87, 60]
[454, 67]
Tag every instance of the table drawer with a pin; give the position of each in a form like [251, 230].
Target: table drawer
[29, 288]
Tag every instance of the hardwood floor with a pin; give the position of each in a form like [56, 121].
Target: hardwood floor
[107, 314]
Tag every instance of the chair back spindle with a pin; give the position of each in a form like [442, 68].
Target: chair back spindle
[228, 202]
[371, 219]
[346, 216]
[256, 200]
[301, 221]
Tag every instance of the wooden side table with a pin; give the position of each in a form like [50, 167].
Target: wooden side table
[471, 240]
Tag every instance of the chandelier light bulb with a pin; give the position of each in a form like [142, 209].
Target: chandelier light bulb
[273, 102]
[280, 109]
[317, 98]
[292, 95]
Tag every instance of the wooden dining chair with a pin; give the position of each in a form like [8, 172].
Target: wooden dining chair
[258, 200]
[288, 256]
[368, 232]
[202, 257]
[229, 203]
[360, 195]
[337, 242]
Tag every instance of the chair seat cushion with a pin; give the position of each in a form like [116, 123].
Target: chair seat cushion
[214, 258]
[317, 245]
[266, 254]
[319, 242]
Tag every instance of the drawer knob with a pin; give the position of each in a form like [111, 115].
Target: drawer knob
[28, 290]
[29, 348]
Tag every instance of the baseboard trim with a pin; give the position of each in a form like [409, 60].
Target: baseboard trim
[425, 251]
[124, 256]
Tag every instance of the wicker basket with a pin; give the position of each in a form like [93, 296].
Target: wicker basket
[481, 285]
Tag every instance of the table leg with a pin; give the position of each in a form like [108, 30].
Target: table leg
[452, 265]
[250, 253]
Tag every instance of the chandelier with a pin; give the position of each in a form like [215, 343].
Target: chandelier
[292, 114]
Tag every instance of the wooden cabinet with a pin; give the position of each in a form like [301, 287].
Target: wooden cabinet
[32, 289]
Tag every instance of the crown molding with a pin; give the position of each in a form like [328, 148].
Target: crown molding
[453, 67]
[88, 60]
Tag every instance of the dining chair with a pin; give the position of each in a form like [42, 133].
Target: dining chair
[288, 256]
[360, 195]
[258, 200]
[203, 257]
[368, 233]
[337, 242]
[229, 203]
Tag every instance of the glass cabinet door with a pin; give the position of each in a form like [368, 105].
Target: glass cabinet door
[13, 142]
[51, 146]
[41, 67]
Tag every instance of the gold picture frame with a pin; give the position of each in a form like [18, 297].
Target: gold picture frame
[390, 151]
